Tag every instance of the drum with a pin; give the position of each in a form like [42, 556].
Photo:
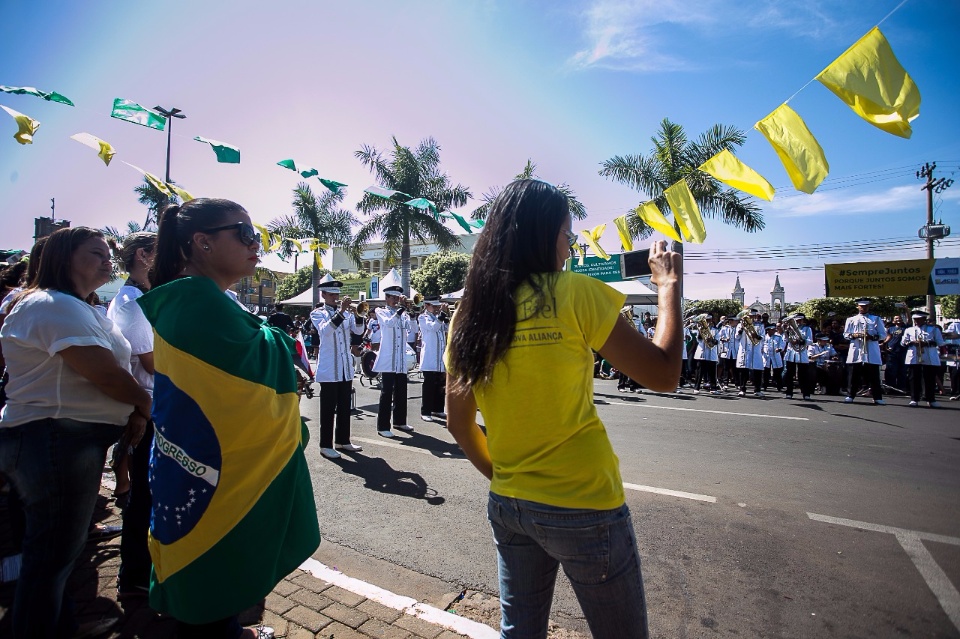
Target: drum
[366, 364]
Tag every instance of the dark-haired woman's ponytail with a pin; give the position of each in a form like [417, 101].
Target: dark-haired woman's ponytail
[169, 260]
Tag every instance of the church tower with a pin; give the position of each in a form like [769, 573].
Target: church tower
[738, 293]
[777, 295]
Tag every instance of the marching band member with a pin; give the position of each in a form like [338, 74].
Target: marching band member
[865, 331]
[749, 355]
[727, 350]
[391, 362]
[923, 343]
[772, 349]
[706, 354]
[819, 352]
[335, 323]
[796, 359]
[433, 337]
[952, 336]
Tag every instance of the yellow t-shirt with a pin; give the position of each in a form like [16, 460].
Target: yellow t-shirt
[546, 440]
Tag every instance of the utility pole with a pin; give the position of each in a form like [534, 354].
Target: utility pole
[53, 209]
[932, 231]
[169, 114]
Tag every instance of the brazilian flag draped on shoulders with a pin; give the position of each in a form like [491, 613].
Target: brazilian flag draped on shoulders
[233, 507]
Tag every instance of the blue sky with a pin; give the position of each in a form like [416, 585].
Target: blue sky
[566, 84]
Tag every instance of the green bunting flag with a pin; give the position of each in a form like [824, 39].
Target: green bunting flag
[333, 185]
[233, 505]
[49, 96]
[465, 224]
[423, 204]
[304, 171]
[387, 194]
[133, 112]
[226, 153]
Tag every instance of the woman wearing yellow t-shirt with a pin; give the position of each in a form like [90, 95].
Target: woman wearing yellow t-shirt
[521, 350]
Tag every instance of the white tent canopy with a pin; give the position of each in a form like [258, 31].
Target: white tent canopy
[636, 292]
[303, 299]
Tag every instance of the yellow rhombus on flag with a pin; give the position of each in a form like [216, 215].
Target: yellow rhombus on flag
[869, 78]
[796, 147]
[728, 168]
[686, 212]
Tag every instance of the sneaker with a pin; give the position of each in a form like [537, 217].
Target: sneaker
[426, 418]
[621, 390]
[102, 533]
[913, 404]
[847, 400]
[386, 433]
[933, 404]
[955, 398]
[742, 394]
[879, 402]
[788, 396]
[407, 428]
[329, 453]
[441, 416]
[716, 392]
[696, 391]
[97, 628]
[806, 398]
[350, 448]
[758, 394]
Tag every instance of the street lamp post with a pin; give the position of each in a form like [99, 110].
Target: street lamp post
[169, 113]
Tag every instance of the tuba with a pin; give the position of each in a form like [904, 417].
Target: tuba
[749, 328]
[703, 328]
[794, 334]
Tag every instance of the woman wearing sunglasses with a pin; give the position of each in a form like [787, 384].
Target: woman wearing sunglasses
[233, 508]
[521, 348]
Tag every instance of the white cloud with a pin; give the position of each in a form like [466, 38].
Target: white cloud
[897, 199]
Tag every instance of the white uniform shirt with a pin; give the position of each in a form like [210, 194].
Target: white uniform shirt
[129, 318]
[394, 326]
[686, 338]
[726, 335]
[41, 385]
[749, 355]
[433, 341]
[953, 327]
[334, 361]
[872, 326]
[932, 339]
[704, 353]
[772, 349]
[825, 352]
[798, 355]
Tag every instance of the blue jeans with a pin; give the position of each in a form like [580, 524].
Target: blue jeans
[55, 467]
[598, 552]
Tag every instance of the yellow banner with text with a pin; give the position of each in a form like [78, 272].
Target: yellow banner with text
[871, 279]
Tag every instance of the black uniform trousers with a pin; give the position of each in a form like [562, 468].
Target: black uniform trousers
[393, 391]
[335, 400]
[805, 377]
[869, 373]
[434, 388]
[753, 376]
[925, 377]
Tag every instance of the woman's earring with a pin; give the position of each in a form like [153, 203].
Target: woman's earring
[206, 248]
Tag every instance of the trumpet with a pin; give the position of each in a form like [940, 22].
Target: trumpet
[361, 310]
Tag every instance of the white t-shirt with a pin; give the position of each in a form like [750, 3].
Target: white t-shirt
[129, 318]
[41, 385]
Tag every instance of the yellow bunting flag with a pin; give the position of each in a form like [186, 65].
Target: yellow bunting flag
[103, 149]
[593, 240]
[796, 147]
[154, 181]
[869, 79]
[183, 194]
[686, 212]
[626, 241]
[264, 234]
[295, 242]
[651, 215]
[727, 168]
[26, 126]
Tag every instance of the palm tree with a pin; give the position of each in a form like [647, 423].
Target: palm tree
[577, 210]
[674, 158]
[287, 228]
[321, 218]
[114, 237]
[412, 174]
[155, 200]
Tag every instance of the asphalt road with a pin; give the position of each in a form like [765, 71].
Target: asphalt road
[786, 518]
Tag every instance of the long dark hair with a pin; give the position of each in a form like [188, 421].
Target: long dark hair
[132, 243]
[518, 245]
[178, 223]
[53, 265]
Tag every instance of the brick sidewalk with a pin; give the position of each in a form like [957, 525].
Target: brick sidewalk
[300, 607]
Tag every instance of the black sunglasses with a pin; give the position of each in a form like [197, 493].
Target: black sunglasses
[248, 234]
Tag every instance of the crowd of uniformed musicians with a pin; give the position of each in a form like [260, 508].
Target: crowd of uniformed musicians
[863, 356]
[747, 353]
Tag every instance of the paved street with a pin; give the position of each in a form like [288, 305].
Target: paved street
[755, 517]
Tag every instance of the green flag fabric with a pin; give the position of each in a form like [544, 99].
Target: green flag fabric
[304, 171]
[333, 185]
[233, 505]
[133, 112]
[226, 153]
[423, 204]
[387, 194]
[49, 96]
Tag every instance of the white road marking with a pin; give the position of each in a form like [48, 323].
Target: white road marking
[912, 542]
[389, 443]
[406, 605]
[672, 493]
[716, 412]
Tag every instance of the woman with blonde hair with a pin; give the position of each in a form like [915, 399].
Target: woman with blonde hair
[521, 349]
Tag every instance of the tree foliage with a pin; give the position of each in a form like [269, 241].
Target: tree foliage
[673, 158]
[441, 273]
[821, 308]
[155, 200]
[577, 210]
[415, 173]
[301, 280]
[949, 306]
[717, 308]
